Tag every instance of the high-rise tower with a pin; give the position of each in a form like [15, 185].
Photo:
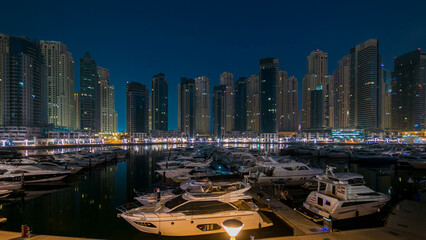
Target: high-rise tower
[268, 75]
[364, 74]
[282, 101]
[227, 79]
[89, 99]
[159, 103]
[202, 106]
[23, 84]
[342, 92]
[219, 111]
[408, 91]
[137, 108]
[186, 107]
[60, 82]
[316, 77]
[107, 102]
[253, 103]
[241, 104]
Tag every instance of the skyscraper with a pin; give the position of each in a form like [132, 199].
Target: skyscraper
[60, 82]
[23, 84]
[386, 96]
[291, 121]
[408, 91]
[202, 106]
[76, 113]
[89, 99]
[268, 75]
[107, 97]
[186, 107]
[342, 93]
[316, 76]
[282, 102]
[227, 79]
[317, 108]
[253, 103]
[159, 103]
[364, 74]
[219, 111]
[137, 108]
[241, 104]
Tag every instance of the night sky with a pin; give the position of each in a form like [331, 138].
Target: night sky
[135, 41]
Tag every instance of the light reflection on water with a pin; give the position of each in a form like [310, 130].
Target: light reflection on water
[84, 205]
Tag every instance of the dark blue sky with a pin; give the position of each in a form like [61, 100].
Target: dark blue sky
[192, 38]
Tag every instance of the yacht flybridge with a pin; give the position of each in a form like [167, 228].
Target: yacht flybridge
[288, 173]
[342, 196]
[198, 213]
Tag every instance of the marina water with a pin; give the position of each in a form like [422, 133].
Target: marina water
[84, 205]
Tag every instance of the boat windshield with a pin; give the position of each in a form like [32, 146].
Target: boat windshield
[178, 191]
[356, 181]
[174, 202]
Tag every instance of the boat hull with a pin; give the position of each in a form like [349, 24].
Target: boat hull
[197, 224]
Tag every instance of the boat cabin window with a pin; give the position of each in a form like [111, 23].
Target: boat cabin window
[294, 168]
[172, 203]
[320, 201]
[203, 207]
[303, 168]
[322, 186]
[2, 171]
[18, 171]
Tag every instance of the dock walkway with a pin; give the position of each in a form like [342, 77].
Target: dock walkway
[300, 224]
[405, 222]
[6, 235]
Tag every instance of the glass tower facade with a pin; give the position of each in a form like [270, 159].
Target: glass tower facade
[268, 76]
[241, 105]
[159, 103]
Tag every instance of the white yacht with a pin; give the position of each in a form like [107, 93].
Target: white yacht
[31, 173]
[290, 173]
[183, 168]
[189, 185]
[193, 214]
[342, 196]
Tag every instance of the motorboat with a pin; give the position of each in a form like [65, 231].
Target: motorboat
[192, 214]
[31, 173]
[183, 168]
[342, 196]
[188, 185]
[195, 173]
[290, 173]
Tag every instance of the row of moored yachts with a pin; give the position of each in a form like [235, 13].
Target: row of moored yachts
[200, 205]
[18, 170]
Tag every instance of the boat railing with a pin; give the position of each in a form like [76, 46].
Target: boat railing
[128, 206]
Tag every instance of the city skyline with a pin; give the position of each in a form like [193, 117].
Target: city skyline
[223, 50]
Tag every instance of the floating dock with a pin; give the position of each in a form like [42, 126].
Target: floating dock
[299, 224]
[406, 221]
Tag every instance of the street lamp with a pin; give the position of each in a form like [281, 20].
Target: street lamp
[232, 227]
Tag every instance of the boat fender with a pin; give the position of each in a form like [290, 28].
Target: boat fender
[152, 196]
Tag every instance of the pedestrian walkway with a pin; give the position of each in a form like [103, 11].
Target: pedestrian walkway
[6, 235]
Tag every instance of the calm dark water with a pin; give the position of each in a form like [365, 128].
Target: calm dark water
[84, 205]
